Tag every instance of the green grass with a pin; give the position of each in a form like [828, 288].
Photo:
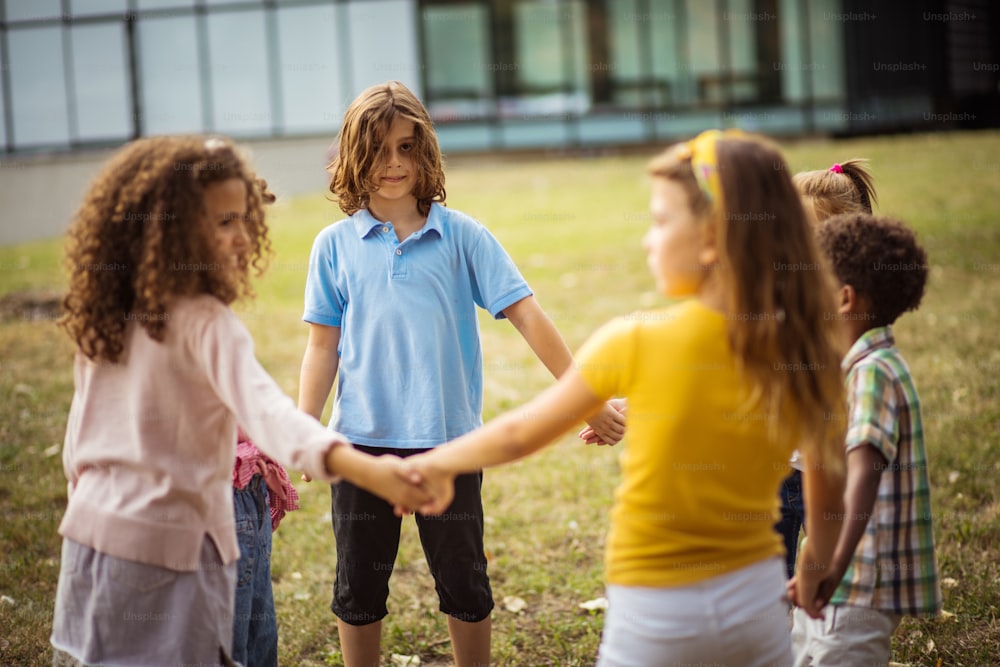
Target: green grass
[574, 227]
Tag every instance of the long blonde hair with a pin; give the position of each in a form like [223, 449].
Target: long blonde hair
[770, 267]
[360, 147]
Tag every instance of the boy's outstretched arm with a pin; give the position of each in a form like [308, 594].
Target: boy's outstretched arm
[544, 339]
[511, 436]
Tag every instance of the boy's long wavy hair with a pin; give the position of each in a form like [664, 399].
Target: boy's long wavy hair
[139, 239]
[770, 267]
[831, 193]
[360, 151]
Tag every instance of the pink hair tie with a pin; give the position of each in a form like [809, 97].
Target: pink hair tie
[837, 169]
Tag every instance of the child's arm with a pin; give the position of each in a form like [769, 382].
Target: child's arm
[380, 475]
[319, 368]
[864, 472]
[824, 499]
[509, 437]
[541, 334]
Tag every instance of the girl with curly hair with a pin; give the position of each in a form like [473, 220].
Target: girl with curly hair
[161, 246]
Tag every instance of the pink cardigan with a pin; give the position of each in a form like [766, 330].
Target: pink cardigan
[151, 441]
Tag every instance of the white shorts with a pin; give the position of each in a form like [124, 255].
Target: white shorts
[738, 619]
[845, 635]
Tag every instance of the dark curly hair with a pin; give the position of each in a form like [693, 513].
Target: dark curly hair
[880, 258]
[360, 151]
[138, 240]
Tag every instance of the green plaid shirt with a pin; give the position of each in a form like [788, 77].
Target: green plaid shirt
[893, 568]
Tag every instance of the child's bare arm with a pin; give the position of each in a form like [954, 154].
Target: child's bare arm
[509, 437]
[380, 475]
[319, 369]
[864, 472]
[824, 500]
[544, 339]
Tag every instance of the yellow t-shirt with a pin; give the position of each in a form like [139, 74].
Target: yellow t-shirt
[700, 478]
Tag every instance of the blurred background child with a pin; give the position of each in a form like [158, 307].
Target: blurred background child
[843, 188]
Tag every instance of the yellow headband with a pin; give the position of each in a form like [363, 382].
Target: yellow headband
[704, 162]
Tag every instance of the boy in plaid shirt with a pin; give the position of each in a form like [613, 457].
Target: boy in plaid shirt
[883, 566]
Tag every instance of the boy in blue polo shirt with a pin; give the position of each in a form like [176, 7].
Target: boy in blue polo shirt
[391, 303]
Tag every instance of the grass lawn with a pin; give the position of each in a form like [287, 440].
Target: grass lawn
[573, 226]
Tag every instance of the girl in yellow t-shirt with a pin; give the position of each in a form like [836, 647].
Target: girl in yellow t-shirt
[721, 387]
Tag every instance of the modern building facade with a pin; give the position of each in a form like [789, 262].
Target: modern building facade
[495, 75]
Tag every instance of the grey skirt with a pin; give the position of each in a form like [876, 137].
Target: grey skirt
[111, 611]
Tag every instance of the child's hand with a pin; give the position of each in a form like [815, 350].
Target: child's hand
[399, 487]
[438, 484]
[813, 584]
[608, 426]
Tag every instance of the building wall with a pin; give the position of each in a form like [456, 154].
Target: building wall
[494, 74]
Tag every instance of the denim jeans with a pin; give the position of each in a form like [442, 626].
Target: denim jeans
[255, 628]
[792, 518]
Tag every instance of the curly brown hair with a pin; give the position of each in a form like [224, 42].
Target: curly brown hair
[139, 239]
[831, 192]
[779, 287]
[360, 149]
[880, 258]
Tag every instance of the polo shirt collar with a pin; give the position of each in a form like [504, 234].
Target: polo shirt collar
[365, 222]
[878, 338]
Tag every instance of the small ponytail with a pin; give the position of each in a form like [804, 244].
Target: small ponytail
[856, 170]
[845, 187]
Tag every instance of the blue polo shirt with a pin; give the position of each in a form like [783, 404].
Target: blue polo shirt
[411, 372]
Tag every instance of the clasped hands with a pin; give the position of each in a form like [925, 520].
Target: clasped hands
[425, 487]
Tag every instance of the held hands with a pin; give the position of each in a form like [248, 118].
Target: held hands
[438, 485]
[398, 485]
[813, 584]
[607, 427]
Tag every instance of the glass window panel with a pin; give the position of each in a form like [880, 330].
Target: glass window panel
[741, 40]
[703, 50]
[232, 2]
[3, 124]
[310, 71]
[241, 93]
[458, 63]
[38, 86]
[668, 85]
[103, 104]
[827, 62]
[169, 75]
[88, 7]
[624, 23]
[383, 44]
[22, 10]
[792, 50]
[163, 4]
[545, 84]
